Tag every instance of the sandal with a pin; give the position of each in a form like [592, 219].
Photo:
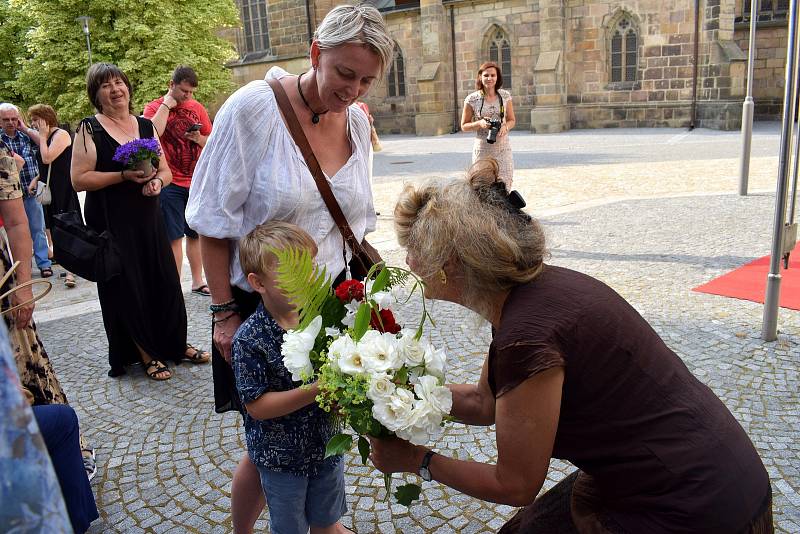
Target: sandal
[69, 280]
[154, 367]
[195, 355]
[47, 272]
[202, 290]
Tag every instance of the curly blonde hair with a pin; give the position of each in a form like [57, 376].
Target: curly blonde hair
[473, 222]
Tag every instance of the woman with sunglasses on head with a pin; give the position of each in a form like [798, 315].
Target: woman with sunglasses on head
[252, 171]
[573, 372]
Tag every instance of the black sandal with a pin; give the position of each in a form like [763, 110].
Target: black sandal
[196, 356]
[47, 272]
[153, 367]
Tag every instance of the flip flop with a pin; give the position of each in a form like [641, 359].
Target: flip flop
[47, 272]
[202, 290]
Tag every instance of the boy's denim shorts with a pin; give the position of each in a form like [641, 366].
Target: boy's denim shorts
[297, 502]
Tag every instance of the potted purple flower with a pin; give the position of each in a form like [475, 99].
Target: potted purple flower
[139, 154]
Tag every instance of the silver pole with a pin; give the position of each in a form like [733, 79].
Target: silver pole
[747, 106]
[84, 20]
[769, 329]
[89, 47]
[793, 194]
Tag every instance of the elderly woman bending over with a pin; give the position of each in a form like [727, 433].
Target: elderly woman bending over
[573, 372]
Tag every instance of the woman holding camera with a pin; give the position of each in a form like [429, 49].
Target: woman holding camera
[489, 112]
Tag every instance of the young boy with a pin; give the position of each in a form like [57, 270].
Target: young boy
[286, 431]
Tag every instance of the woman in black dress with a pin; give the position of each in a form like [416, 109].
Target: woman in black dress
[143, 308]
[55, 155]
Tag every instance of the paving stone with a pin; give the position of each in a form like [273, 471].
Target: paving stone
[162, 442]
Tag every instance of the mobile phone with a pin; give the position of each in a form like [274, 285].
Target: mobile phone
[194, 127]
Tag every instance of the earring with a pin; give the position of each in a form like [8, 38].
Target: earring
[443, 277]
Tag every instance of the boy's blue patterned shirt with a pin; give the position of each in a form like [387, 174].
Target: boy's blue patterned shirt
[294, 443]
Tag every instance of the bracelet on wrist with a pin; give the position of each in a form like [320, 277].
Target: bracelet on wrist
[218, 320]
[166, 106]
[224, 306]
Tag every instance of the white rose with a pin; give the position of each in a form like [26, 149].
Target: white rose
[381, 388]
[351, 362]
[340, 348]
[379, 352]
[394, 412]
[424, 424]
[296, 349]
[411, 350]
[439, 397]
[435, 360]
[384, 299]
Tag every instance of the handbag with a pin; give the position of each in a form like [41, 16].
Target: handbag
[83, 251]
[364, 255]
[43, 194]
[79, 248]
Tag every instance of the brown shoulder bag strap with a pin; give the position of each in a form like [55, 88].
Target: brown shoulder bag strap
[313, 165]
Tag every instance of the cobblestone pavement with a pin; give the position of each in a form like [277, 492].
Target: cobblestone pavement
[165, 459]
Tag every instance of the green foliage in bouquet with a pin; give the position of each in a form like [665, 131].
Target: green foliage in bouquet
[306, 287]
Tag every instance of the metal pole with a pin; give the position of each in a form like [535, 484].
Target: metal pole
[84, 20]
[89, 46]
[769, 329]
[793, 194]
[747, 106]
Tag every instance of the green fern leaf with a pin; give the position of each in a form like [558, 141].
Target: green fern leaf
[305, 285]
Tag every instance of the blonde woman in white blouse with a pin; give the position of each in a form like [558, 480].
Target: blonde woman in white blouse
[251, 171]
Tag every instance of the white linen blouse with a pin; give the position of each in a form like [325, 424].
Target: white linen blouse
[251, 171]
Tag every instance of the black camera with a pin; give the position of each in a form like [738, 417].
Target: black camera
[494, 127]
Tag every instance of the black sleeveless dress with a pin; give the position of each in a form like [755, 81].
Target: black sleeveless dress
[64, 196]
[144, 306]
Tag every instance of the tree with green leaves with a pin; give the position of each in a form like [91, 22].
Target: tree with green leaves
[13, 30]
[147, 39]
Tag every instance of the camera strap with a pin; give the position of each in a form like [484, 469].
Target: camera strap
[502, 107]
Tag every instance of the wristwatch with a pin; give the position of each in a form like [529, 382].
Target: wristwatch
[424, 471]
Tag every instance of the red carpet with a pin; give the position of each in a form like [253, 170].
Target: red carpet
[749, 282]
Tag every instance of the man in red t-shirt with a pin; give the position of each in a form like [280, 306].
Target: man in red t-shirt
[183, 126]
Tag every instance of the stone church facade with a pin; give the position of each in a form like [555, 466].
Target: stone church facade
[568, 63]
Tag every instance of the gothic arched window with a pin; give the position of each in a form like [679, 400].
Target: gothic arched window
[624, 51]
[255, 27]
[500, 53]
[397, 74]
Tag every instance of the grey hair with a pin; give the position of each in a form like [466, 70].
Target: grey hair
[7, 106]
[362, 24]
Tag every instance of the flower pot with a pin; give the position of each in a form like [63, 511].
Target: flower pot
[146, 166]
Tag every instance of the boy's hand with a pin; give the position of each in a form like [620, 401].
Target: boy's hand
[223, 335]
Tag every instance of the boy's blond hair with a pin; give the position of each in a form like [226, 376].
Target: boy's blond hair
[254, 248]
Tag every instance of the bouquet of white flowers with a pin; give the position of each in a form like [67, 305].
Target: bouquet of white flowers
[377, 378]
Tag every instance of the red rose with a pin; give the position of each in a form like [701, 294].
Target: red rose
[385, 323]
[350, 290]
